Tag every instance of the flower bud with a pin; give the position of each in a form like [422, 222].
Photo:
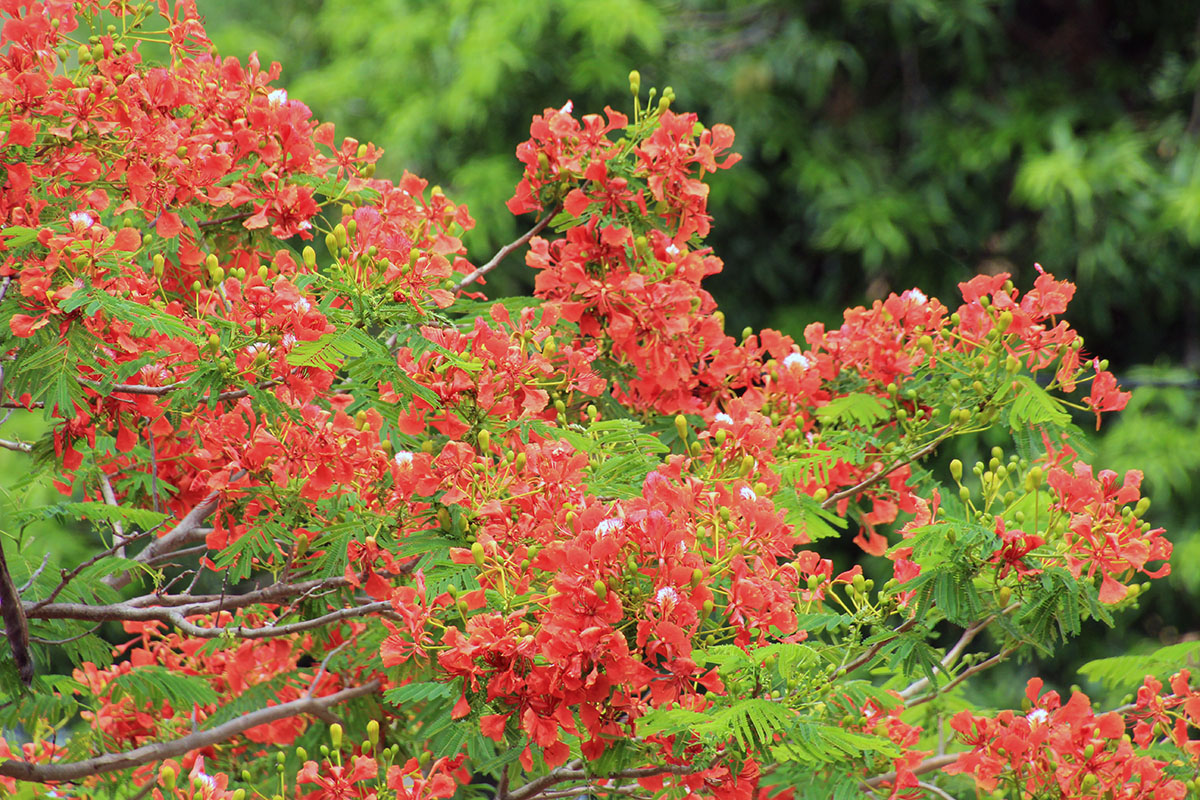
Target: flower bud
[168, 775]
[956, 470]
[681, 426]
[601, 589]
[485, 440]
[1034, 479]
[635, 82]
[335, 735]
[477, 554]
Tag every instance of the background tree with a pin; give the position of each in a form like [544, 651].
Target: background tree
[886, 145]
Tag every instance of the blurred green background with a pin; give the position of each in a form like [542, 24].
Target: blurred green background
[887, 144]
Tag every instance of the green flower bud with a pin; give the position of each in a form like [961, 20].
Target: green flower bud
[635, 82]
[167, 776]
[956, 470]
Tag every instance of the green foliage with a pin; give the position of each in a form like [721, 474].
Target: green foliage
[151, 685]
[1128, 672]
[860, 409]
[1032, 405]
[620, 453]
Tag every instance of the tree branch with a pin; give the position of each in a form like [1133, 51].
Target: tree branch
[951, 656]
[67, 577]
[980, 667]
[535, 786]
[573, 771]
[503, 252]
[928, 765]
[159, 391]
[175, 537]
[873, 650]
[151, 607]
[834, 499]
[111, 762]
[118, 613]
[110, 499]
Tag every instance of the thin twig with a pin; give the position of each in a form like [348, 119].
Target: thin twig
[208, 223]
[502, 784]
[874, 650]
[903, 461]
[67, 577]
[980, 667]
[321, 670]
[178, 617]
[110, 762]
[951, 656]
[177, 536]
[573, 771]
[502, 253]
[159, 391]
[165, 557]
[928, 765]
[153, 469]
[929, 787]
[110, 498]
[184, 605]
[20, 447]
[36, 573]
[536, 785]
[88, 632]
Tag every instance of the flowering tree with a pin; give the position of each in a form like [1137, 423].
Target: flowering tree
[361, 532]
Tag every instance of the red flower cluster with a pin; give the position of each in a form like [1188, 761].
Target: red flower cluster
[488, 497]
[1064, 748]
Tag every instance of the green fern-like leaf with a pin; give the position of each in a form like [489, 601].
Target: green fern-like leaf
[856, 409]
[1128, 672]
[152, 684]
